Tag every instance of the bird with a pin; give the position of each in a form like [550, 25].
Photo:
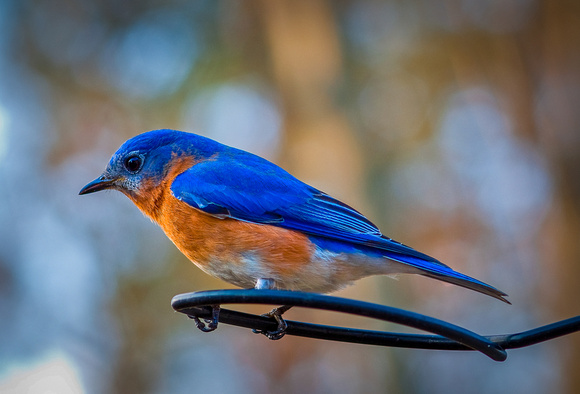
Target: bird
[247, 221]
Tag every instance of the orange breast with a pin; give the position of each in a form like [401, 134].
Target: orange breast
[238, 252]
[235, 251]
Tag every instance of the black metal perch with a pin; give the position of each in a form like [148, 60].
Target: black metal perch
[449, 336]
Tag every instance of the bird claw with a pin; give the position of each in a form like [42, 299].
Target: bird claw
[208, 325]
[280, 331]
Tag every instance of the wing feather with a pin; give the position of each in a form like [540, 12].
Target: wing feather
[257, 191]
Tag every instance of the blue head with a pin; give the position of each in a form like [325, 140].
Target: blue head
[144, 160]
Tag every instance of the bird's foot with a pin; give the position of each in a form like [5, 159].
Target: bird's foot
[208, 325]
[280, 331]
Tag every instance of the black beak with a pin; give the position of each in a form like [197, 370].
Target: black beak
[101, 183]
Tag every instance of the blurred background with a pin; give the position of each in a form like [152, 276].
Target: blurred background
[453, 125]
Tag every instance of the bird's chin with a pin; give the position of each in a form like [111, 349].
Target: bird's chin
[133, 195]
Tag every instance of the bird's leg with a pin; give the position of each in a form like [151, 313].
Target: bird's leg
[265, 284]
[276, 313]
[208, 325]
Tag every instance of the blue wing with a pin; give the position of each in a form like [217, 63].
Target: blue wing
[257, 191]
[246, 187]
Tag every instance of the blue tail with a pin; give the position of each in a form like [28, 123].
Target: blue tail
[433, 268]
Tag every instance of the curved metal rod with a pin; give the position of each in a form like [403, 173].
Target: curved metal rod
[197, 304]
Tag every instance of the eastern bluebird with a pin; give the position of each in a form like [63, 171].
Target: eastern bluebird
[247, 221]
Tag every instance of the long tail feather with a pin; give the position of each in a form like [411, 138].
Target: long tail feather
[470, 283]
[436, 270]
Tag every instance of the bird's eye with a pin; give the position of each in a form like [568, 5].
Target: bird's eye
[133, 163]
